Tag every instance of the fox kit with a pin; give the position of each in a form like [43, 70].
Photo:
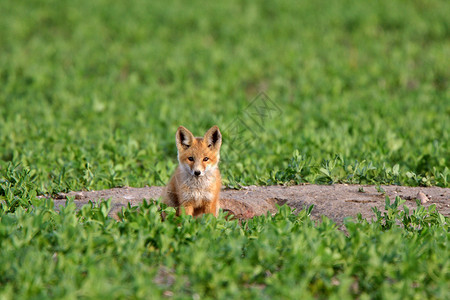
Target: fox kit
[196, 183]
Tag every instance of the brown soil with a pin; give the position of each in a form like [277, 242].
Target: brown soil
[334, 201]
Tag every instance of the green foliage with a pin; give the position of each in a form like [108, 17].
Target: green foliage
[86, 254]
[17, 188]
[340, 170]
[91, 92]
[419, 220]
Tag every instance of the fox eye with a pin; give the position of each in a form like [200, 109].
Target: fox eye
[206, 159]
[191, 158]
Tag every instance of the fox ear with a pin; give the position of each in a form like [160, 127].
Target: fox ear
[213, 137]
[184, 138]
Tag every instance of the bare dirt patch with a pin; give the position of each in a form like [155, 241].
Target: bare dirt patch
[334, 201]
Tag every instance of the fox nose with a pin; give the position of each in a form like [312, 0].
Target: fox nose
[197, 173]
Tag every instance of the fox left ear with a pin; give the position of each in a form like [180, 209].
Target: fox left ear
[213, 137]
[184, 138]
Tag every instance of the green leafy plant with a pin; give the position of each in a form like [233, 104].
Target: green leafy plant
[49, 254]
[364, 103]
[91, 94]
[17, 188]
[419, 219]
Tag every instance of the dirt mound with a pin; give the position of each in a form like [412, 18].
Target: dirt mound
[334, 201]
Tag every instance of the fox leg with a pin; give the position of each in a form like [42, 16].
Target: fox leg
[188, 209]
[212, 208]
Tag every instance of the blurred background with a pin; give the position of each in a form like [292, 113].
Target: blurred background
[92, 92]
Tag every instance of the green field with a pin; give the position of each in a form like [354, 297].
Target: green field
[92, 92]
[90, 256]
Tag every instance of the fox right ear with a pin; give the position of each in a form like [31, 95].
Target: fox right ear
[213, 137]
[184, 138]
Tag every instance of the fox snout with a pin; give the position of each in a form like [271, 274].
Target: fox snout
[197, 171]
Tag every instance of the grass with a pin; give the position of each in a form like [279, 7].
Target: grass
[91, 94]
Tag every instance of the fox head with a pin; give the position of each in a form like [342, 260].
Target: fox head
[198, 156]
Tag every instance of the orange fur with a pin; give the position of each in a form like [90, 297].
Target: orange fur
[196, 184]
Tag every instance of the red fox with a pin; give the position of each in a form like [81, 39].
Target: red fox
[196, 184]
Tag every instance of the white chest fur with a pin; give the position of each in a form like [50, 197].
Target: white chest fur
[196, 189]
